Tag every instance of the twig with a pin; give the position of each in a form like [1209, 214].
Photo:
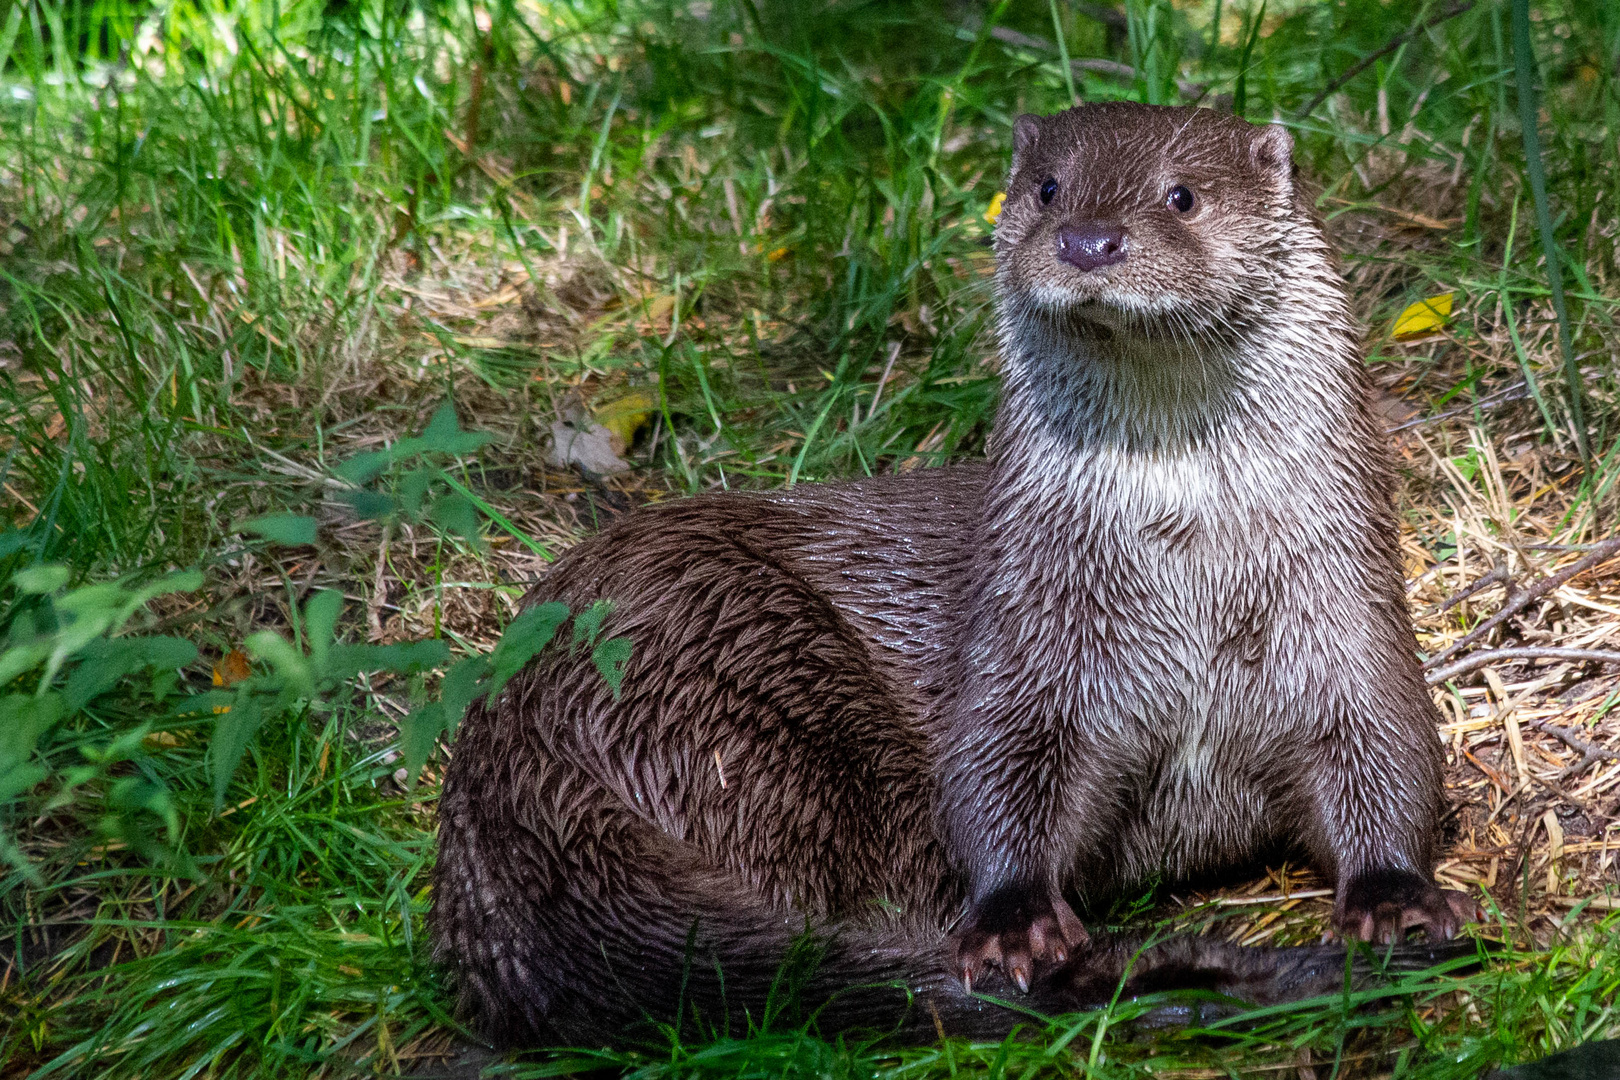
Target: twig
[894, 351]
[1517, 392]
[1599, 554]
[1591, 753]
[1499, 573]
[1367, 61]
[1486, 657]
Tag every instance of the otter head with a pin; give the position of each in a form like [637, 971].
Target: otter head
[1159, 223]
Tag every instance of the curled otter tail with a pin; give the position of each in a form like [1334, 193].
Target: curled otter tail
[1236, 977]
[601, 933]
[567, 918]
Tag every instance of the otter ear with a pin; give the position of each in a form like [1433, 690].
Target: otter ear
[1274, 153]
[1026, 133]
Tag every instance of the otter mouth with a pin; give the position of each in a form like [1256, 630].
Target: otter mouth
[1112, 311]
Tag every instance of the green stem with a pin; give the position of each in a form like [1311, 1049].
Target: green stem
[1063, 53]
[1524, 70]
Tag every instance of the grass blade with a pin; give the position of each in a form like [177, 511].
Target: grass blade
[1524, 73]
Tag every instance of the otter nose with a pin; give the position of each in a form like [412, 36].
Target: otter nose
[1091, 244]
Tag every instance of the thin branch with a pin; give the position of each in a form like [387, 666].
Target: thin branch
[1367, 61]
[1517, 392]
[1599, 554]
[1487, 657]
[1591, 753]
[1499, 574]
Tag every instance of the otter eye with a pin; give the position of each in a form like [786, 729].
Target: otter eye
[1048, 189]
[1180, 199]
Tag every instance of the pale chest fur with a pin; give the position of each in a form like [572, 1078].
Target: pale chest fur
[1173, 589]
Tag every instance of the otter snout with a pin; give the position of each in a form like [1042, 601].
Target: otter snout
[1091, 245]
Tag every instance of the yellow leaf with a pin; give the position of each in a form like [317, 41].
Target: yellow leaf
[996, 204]
[625, 416]
[778, 255]
[1424, 317]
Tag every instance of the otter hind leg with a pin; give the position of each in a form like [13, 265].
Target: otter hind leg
[565, 917]
[607, 859]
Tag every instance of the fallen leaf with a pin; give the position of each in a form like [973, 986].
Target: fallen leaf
[1423, 318]
[996, 204]
[588, 445]
[659, 308]
[626, 416]
[232, 668]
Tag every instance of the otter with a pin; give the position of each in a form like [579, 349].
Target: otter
[903, 726]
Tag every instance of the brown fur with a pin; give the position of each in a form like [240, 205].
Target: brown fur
[1161, 633]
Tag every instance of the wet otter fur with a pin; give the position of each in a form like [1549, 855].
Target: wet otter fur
[1160, 634]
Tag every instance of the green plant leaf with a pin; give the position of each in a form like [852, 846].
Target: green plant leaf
[418, 733]
[293, 530]
[321, 613]
[455, 514]
[39, 580]
[610, 657]
[104, 661]
[368, 504]
[405, 658]
[444, 435]
[588, 623]
[233, 732]
[463, 684]
[527, 634]
[364, 468]
[290, 665]
[413, 488]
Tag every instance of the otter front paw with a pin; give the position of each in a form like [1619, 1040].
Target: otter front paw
[1382, 905]
[1012, 928]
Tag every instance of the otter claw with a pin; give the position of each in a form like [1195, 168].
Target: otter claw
[1014, 929]
[1381, 906]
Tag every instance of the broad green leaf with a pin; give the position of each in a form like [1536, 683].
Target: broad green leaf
[368, 504]
[455, 514]
[23, 719]
[233, 732]
[527, 634]
[39, 580]
[444, 434]
[104, 661]
[289, 664]
[321, 613]
[464, 683]
[418, 733]
[14, 540]
[364, 468]
[20, 658]
[588, 623]
[405, 658]
[610, 657]
[291, 529]
[413, 488]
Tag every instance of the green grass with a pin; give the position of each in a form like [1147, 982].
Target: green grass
[766, 214]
